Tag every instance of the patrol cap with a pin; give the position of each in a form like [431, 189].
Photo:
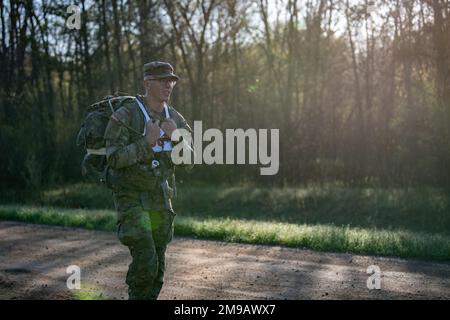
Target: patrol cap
[159, 70]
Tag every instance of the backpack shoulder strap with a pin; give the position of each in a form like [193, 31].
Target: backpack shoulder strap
[147, 117]
[166, 111]
[124, 108]
[144, 112]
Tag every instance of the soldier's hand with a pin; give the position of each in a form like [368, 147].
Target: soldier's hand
[152, 134]
[168, 126]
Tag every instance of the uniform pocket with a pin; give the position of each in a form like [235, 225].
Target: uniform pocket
[145, 200]
[134, 227]
[163, 226]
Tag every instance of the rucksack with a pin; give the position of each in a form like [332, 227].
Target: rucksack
[91, 136]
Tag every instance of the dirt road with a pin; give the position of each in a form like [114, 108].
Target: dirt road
[34, 258]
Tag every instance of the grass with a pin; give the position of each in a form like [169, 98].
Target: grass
[321, 237]
[78, 218]
[413, 209]
[88, 292]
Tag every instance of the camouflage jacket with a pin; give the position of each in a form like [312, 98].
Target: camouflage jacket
[128, 153]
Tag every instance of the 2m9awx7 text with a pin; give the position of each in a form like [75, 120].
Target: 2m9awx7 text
[235, 309]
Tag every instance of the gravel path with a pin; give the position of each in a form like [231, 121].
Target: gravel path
[34, 258]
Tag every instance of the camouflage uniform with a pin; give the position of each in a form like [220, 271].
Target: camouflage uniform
[144, 224]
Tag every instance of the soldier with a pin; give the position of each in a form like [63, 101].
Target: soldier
[142, 177]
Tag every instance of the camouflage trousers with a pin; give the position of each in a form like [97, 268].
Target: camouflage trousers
[145, 227]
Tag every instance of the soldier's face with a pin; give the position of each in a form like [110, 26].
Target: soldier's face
[160, 89]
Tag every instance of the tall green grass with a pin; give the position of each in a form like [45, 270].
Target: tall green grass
[320, 237]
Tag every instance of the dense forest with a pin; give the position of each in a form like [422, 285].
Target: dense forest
[360, 90]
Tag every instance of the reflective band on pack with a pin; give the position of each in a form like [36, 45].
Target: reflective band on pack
[98, 152]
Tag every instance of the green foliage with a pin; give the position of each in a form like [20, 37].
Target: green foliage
[321, 237]
[414, 209]
[373, 106]
[318, 237]
[88, 292]
[93, 196]
[88, 219]
[402, 222]
[423, 209]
